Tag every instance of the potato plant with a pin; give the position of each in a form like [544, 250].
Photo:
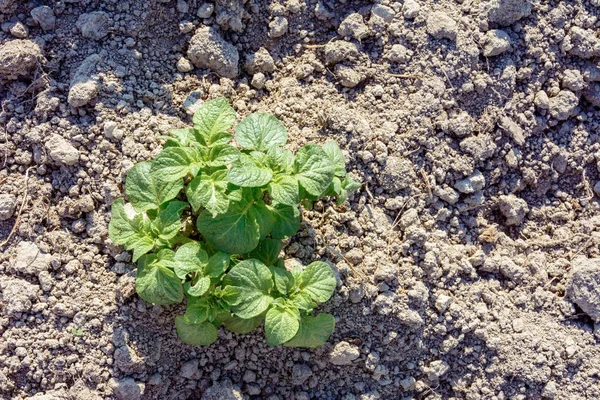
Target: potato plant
[206, 222]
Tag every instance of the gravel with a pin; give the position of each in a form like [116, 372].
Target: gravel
[344, 353]
[94, 25]
[61, 151]
[208, 49]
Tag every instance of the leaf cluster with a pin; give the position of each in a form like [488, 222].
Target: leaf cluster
[206, 219]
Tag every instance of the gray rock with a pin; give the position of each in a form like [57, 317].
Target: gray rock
[384, 12]
[184, 65]
[19, 30]
[582, 43]
[189, 370]
[471, 184]
[442, 302]
[563, 105]
[8, 205]
[573, 80]
[344, 353]
[541, 100]
[30, 260]
[441, 26]
[513, 208]
[278, 27]
[44, 16]
[496, 42]
[408, 383]
[398, 53]
[17, 295]
[61, 151]
[347, 76]
[512, 129]
[94, 25]
[85, 84]
[410, 9]
[322, 13]
[462, 124]
[550, 390]
[411, 319]
[507, 12]
[354, 27]
[597, 188]
[300, 373]
[397, 174]
[436, 370]
[19, 58]
[592, 94]
[258, 80]
[222, 391]
[126, 389]
[182, 6]
[205, 10]
[583, 287]
[208, 49]
[340, 50]
[259, 61]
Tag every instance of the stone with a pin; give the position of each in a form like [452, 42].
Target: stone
[550, 390]
[205, 10]
[8, 205]
[61, 151]
[347, 76]
[94, 25]
[513, 129]
[222, 391]
[126, 389]
[592, 94]
[184, 65]
[597, 188]
[259, 61]
[582, 43]
[340, 50]
[583, 286]
[45, 17]
[85, 84]
[398, 53]
[563, 105]
[182, 6]
[17, 296]
[436, 370]
[410, 9]
[573, 80]
[19, 30]
[408, 383]
[442, 302]
[344, 353]
[19, 58]
[189, 370]
[471, 184]
[322, 13]
[258, 80]
[462, 124]
[278, 27]
[300, 373]
[208, 49]
[441, 26]
[541, 100]
[354, 27]
[513, 208]
[507, 12]
[398, 174]
[384, 12]
[30, 260]
[496, 42]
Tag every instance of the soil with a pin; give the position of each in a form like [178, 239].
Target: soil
[467, 262]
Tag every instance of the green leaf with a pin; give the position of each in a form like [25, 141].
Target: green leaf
[168, 222]
[222, 154]
[217, 264]
[267, 251]
[157, 284]
[197, 310]
[253, 282]
[313, 331]
[174, 163]
[335, 187]
[337, 158]
[279, 160]
[242, 326]
[199, 288]
[209, 191]
[318, 281]
[314, 169]
[236, 231]
[259, 131]
[284, 280]
[213, 119]
[287, 221]
[146, 193]
[189, 258]
[284, 189]
[264, 217]
[183, 137]
[201, 334]
[130, 229]
[303, 301]
[281, 325]
[348, 187]
[246, 171]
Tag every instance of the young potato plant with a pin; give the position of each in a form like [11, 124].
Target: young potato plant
[206, 219]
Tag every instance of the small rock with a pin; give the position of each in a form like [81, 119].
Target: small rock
[189, 370]
[44, 16]
[496, 42]
[513, 129]
[258, 80]
[518, 325]
[19, 30]
[507, 12]
[563, 105]
[462, 124]
[347, 76]
[573, 80]
[182, 6]
[597, 188]
[278, 27]
[85, 85]
[300, 373]
[259, 61]
[398, 53]
[19, 58]
[592, 94]
[436, 370]
[344, 353]
[30, 260]
[62, 151]
[441, 26]
[471, 184]
[442, 302]
[193, 102]
[94, 25]
[398, 174]
[127, 360]
[541, 100]
[222, 391]
[205, 10]
[513, 208]
[408, 383]
[8, 205]
[384, 12]
[550, 390]
[322, 13]
[208, 49]
[17, 296]
[126, 389]
[353, 26]
[355, 256]
[582, 43]
[410, 9]
[340, 50]
[184, 65]
[583, 287]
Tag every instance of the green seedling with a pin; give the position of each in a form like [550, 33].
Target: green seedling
[206, 220]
